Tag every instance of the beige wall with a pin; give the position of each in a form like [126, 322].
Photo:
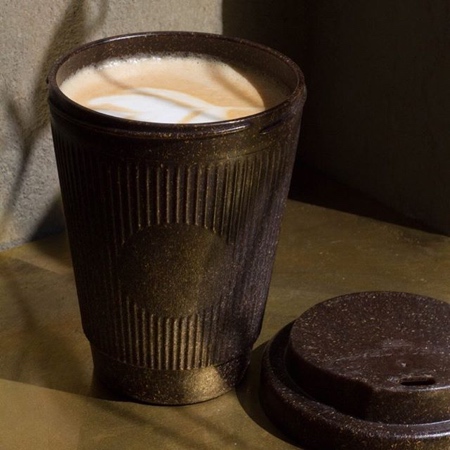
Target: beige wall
[377, 116]
[33, 34]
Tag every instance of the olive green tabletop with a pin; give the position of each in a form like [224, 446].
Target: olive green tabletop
[49, 400]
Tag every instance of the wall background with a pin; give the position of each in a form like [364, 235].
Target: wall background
[32, 36]
[377, 116]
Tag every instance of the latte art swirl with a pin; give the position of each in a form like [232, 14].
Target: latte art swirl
[165, 105]
[172, 89]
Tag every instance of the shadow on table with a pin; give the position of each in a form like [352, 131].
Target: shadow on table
[37, 330]
[248, 395]
[42, 344]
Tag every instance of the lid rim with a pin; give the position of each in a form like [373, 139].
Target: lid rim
[318, 425]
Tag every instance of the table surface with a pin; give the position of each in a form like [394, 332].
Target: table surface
[331, 243]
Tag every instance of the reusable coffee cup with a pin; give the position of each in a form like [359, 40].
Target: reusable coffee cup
[173, 227]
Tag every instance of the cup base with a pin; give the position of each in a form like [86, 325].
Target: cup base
[168, 387]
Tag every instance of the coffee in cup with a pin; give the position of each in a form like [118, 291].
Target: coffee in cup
[173, 89]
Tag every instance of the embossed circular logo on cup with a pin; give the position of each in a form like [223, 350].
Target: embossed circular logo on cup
[174, 270]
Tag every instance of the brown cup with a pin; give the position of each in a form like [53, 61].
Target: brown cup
[173, 228]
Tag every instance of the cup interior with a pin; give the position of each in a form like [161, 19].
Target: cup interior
[233, 51]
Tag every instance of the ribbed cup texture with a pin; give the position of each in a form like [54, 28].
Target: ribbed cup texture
[172, 260]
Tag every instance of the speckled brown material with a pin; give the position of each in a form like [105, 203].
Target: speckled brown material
[363, 371]
[173, 228]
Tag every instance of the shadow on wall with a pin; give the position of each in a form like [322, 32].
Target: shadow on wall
[30, 121]
[371, 119]
[380, 119]
[281, 25]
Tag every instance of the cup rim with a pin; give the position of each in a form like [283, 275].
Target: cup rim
[64, 106]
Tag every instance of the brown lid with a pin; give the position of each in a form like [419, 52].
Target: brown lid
[367, 370]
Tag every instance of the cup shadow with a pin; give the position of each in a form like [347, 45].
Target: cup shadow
[248, 395]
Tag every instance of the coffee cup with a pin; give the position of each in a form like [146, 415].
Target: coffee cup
[173, 226]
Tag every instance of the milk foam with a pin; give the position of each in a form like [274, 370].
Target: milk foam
[171, 90]
[163, 105]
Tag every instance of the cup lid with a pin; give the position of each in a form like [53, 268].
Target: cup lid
[363, 370]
